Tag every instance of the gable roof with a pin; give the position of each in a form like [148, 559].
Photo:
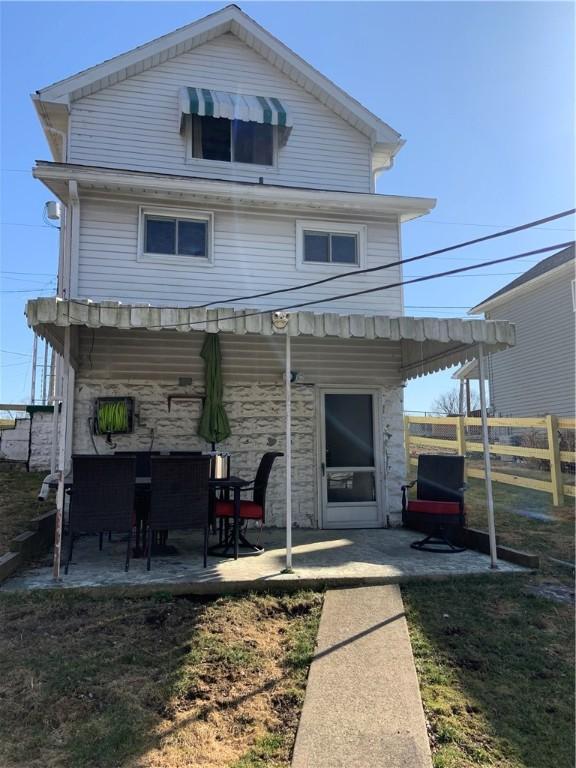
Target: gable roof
[231, 19]
[538, 270]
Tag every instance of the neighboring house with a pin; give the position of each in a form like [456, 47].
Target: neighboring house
[537, 376]
[201, 168]
[29, 439]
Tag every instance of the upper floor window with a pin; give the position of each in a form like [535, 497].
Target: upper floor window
[233, 127]
[175, 235]
[236, 141]
[330, 243]
[332, 247]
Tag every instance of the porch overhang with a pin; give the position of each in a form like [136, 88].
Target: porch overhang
[145, 186]
[428, 344]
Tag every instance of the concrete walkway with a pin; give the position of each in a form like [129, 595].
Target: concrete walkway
[362, 707]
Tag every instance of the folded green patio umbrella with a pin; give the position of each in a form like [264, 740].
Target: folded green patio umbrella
[213, 426]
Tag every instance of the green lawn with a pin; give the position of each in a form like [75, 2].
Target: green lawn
[158, 682]
[19, 502]
[495, 660]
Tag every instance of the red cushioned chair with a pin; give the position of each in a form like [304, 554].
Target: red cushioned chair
[249, 510]
[439, 505]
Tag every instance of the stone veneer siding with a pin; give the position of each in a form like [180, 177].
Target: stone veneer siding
[17, 444]
[256, 413]
[41, 443]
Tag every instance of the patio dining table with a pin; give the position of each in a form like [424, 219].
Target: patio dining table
[232, 483]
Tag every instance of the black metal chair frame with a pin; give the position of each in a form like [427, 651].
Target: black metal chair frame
[179, 497]
[258, 488]
[101, 498]
[429, 489]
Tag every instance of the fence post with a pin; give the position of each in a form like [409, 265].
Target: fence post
[555, 466]
[461, 439]
[407, 444]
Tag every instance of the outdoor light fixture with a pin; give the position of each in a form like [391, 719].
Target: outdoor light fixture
[280, 320]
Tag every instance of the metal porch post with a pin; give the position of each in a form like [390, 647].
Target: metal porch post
[487, 462]
[288, 387]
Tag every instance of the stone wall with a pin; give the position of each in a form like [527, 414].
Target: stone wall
[41, 443]
[16, 443]
[257, 419]
[256, 414]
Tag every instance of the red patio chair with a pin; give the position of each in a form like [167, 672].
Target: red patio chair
[439, 505]
[249, 510]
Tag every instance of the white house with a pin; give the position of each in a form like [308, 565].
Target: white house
[536, 376]
[195, 171]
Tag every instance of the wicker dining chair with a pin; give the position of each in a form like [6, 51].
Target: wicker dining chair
[249, 510]
[179, 497]
[102, 498]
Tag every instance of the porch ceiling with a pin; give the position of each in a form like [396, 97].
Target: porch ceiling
[428, 344]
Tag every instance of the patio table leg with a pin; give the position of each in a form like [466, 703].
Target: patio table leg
[236, 521]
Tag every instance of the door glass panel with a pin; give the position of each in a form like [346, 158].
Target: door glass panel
[349, 431]
[346, 487]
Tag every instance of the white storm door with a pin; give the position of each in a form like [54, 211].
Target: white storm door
[349, 468]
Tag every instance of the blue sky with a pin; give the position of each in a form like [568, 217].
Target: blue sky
[482, 92]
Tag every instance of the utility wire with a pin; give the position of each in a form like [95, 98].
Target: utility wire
[490, 226]
[314, 302]
[40, 274]
[401, 262]
[427, 277]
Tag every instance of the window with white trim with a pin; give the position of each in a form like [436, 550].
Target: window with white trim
[174, 235]
[330, 244]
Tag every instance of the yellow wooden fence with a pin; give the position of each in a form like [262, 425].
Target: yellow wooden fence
[461, 444]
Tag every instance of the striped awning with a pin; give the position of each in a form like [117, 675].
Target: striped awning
[427, 344]
[234, 106]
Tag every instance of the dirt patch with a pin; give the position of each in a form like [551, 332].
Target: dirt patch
[153, 683]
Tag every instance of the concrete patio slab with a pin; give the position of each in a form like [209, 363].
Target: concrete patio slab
[362, 705]
[320, 558]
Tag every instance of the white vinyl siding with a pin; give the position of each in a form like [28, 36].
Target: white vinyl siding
[251, 253]
[536, 376]
[135, 123]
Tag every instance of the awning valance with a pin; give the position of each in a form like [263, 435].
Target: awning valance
[427, 344]
[234, 106]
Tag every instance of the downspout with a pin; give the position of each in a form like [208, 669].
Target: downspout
[56, 387]
[74, 239]
[62, 455]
